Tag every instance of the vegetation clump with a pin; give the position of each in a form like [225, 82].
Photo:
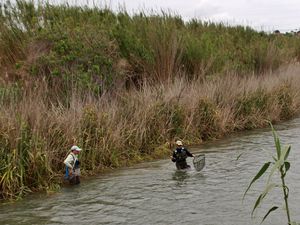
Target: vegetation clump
[123, 87]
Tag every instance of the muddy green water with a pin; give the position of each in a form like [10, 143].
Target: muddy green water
[155, 193]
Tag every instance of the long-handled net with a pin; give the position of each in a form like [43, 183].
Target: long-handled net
[199, 162]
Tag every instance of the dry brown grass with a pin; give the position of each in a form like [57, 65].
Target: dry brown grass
[129, 127]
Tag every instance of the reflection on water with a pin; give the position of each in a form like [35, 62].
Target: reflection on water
[155, 193]
[180, 176]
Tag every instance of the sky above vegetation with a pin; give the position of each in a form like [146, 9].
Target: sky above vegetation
[267, 15]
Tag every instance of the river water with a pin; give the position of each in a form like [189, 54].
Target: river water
[155, 193]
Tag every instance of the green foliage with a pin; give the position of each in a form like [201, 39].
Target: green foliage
[24, 166]
[84, 46]
[201, 55]
[285, 101]
[206, 120]
[165, 122]
[281, 165]
[90, 136]
[176, 121]
[251, 104]
[297, 49]
[10, 93]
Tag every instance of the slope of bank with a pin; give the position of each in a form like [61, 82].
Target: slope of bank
[114, 131]
[100, 50]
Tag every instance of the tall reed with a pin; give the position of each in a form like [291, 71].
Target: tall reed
[36, 131]
[282, 165]
[98, 49]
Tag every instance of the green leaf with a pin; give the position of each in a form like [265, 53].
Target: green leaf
[287, 153]
[287, 166]
[276, 166]
[271, 210]
[237, 158]
[258, 200]
[268, 188]
[279, 163]
[263, 195]
[277, 141]
[258, 175]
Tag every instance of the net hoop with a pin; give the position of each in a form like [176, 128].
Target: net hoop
[199, 162]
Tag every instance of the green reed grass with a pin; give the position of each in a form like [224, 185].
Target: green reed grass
[281, 165]
[73, 46]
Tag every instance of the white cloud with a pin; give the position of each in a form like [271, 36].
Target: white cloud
[266, 14]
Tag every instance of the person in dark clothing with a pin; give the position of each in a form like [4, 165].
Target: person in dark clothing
[179, 156]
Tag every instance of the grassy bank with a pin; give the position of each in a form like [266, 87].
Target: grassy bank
[120, 86]
[100, 50]
[35, 135]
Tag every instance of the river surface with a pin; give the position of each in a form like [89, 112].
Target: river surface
[155, 193]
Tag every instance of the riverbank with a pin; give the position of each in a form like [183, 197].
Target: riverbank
[116, 131]
[124, 87]
[150, 193]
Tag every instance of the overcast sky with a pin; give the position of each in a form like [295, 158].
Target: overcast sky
[265, 15]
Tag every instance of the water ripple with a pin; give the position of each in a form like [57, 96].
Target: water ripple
[155, 193]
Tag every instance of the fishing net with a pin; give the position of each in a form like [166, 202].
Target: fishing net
[199, 162]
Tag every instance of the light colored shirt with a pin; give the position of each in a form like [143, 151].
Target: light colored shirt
[70, 160]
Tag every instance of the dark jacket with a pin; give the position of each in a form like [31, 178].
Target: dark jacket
[179, 156]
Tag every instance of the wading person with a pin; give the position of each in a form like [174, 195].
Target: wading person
[179, 156]
[72, 166]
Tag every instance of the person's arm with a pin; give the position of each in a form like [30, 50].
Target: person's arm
[188, 153]
[173, 157]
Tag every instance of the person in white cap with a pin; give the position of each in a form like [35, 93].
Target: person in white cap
[179, 156]
[72, 166]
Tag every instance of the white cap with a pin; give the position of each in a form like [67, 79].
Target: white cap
[178, 142]
[75, 148]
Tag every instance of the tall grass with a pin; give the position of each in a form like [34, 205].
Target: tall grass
[282, 165]
[36, 133]
[98, 49]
